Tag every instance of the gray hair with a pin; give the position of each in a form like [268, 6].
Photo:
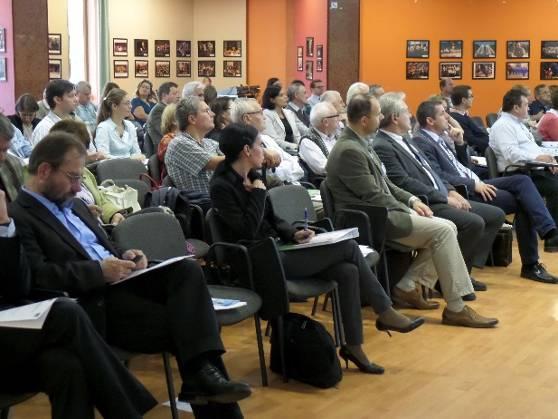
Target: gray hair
[186, 107]
[374, 88]
[293, 90]
[357, 88]
[392, 104]
[6, 129]
[319, 111]
[191, 87]
[329, 96]
[82, 85]
[241, 107]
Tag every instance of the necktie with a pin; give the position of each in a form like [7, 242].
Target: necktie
[424, 163]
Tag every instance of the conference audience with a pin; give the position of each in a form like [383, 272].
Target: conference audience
[280, 123]
[298, 105]
[25, 119]
[273, 81]
[108, 87]
[334, 97]
[317, 88]
[548, 125]
[446, 90]
[143, 102]
[193, 88]
[11, 170]
[168, 93]
[356, 89]
[86, 110]
[473, 133]
[542, 103]
[221, 107]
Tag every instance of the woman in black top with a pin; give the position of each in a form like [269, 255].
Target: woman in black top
[240, 199]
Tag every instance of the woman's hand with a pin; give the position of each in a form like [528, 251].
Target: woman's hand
[303, 236]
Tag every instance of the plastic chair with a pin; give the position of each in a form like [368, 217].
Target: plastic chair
[154, 168]
[116, 169]
[490, 119]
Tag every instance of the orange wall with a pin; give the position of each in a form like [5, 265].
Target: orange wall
[387, 24]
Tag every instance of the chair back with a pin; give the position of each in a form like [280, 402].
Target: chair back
[289, 202]
[154, 168]
[120, 169]
[491, 162]
[327, 200]
[138, 185]
[478, 120]
[148, 146]
[491, 118]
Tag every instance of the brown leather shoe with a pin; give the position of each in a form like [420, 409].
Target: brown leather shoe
[467, 318]
[412, 299]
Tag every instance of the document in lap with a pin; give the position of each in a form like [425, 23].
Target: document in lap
[324, 239]
[152, 268]
[30, 316]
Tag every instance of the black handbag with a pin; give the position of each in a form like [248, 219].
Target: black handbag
[502, 248]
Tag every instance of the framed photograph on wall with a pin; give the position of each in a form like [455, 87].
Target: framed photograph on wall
[54, 69]
[484, 70]
[183, 68]
[232, 49]
[451, 49]
[299, 63]
[141, 69]
[310, 47]
[183, 48]
[484, 49]
[120, 69]
[517, 70]
[319, 65]
[309, 70]
[55, 44]
[141, 47]
[206, 68]
[418, 49]
[518, 49]
[319, 51]
[300, 51]
[417, 70]
[162, 48]
[4, 69]
[206, 49]
[451, 70]
[232, 68]
[549, 70]
[162, 68]
[120, 47]
[2, 39]
[549, 49]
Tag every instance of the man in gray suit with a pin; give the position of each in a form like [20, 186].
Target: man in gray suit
[355, 175]
[297, 103]
[168, 93]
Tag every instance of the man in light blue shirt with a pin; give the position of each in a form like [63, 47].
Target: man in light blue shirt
[86, 110]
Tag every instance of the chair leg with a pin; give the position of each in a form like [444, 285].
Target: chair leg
[338, 318]
[170, 385]
[326, 300]
[386, 275]
[261, 354]
[268, 329]
[5, 413]
[315, 305]
[281, 336]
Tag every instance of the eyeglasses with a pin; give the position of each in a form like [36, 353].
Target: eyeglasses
[331, 116]
[72, 177]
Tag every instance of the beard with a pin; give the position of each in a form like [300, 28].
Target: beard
[61, 199]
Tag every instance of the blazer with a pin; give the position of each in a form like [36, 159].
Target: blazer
[405, 171]
[57, 260]
[153, 124]
[302, 119]
[15, 282]
[355, 176]
[473, 134]
[275, 129]
[440, 162]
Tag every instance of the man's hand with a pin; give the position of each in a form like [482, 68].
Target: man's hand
[115, 269]
[256, 184]
[134, 254]
[422, 209]
[117, 218]
[456, 134]
[546, 158]
[95, 210]
[271, 158]
[488, 192]
[303, 236]
[457, 201]
[4, 218]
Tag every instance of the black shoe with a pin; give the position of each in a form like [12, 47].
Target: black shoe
[551, 244]
[469, 297]
[369, 368]
[382, 327]
[477, 285]
[537, 272]
[209, 385]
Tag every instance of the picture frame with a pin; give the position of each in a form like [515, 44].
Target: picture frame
[183, 68]
[232, 49]
[300, 51]
[309, 46]
[418, 48]
[55, 44]
[452, 48]
[141, 48]
[517, 70]
[3, 69]
[120, 69]
[319, 65]
[206, 68]
[451, 70]
[549, 49]
[206, 49]
[549, 70]
[232, 68]
[299, 63]
[319, 51]
[2, 39]
[518, 49]
[120, 47]
[141, 68]
[162, 68]
[417, 70]
[309, 70]
[54, 68]
[484, 70]
[484, 49]
[183, 49]
[162, 48]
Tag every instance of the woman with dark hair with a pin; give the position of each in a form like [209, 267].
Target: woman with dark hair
[273, 81]
[280, 123]
[221, 107]
[108, 87]
[240, 200]
[25, 118]
[144, 101]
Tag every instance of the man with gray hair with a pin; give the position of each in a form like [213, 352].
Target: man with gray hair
[358, 88]
[11, 171]
[334, 97]
[315, 147]
[193, 88]
[376, 90]
[85, 109]
[297, 103]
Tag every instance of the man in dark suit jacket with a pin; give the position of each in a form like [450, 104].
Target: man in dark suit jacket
[513, 194]
[168, 93]
[168, 309]
[66, 358]
[406, 166]
[474, 134]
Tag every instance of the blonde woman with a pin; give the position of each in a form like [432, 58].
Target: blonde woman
[168, 128]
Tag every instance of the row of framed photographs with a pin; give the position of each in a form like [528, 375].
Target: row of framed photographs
[206, 68]
[183, 48]
[481, 49]
[482, 70]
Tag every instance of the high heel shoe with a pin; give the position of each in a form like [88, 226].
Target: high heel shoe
[369, 368]
[382, 327]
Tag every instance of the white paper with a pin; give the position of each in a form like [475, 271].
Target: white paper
[365, 250]
[152, 268]
[30, 316]
[324, 238]
[220, 304]
[479, 161]
[182, 406]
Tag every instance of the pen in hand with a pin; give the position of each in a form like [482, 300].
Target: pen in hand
[305, 218]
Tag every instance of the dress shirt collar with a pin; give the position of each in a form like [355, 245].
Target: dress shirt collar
[461, 111]
[294, 106]
[327, 139]
[48, 204]
[392, 135]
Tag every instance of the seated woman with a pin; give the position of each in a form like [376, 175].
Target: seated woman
[221, 107]
[240, 200]
[169, 127]
[144, 101]
[548, 125]
[280, 123]
[115, 136]
[25, 119]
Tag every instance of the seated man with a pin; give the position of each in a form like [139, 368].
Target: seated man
[86, 110]
[542, 102]
[297, 104]
[446, 90]
[334, 97]
[513, 143]
[477, 224]
[317, 88]
[66, 358]
[315, 147]
[11, 171]
[164, 310]
[513, 194]
[168, 93]
[355, 175]
[475, 135]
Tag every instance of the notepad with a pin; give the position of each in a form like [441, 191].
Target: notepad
[30, 316]
[152, 268]
[220, 304]
[324, 239]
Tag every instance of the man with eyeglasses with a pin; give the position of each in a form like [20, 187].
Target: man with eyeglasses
[318, 88]
[474, 134]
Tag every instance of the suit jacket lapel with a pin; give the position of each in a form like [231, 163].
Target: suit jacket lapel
[83, 213]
